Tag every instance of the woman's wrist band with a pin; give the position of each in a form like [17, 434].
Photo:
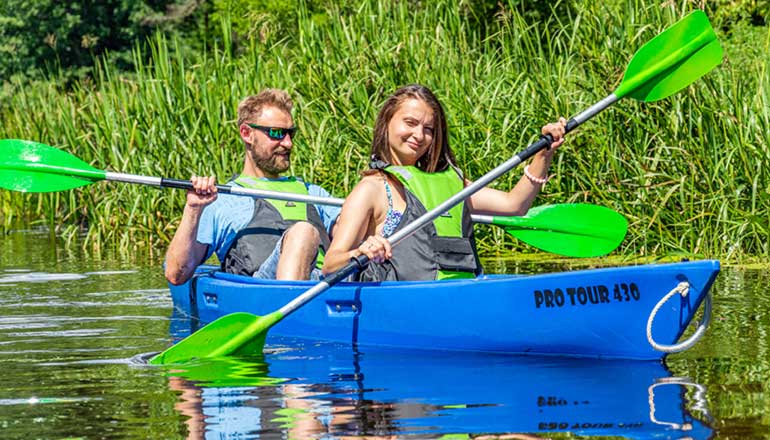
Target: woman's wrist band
[533, 179]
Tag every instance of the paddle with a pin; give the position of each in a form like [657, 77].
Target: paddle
[34, 167]
[666, 64]
[570, 229]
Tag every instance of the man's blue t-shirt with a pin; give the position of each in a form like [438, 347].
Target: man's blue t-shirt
[229, 214]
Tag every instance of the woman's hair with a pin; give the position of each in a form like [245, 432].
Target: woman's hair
[439, 156]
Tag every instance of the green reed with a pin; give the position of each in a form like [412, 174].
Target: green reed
[689, 172]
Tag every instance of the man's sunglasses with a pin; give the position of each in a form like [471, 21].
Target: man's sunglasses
[275, 133]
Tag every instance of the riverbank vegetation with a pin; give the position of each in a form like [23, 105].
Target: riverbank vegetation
[691, 173]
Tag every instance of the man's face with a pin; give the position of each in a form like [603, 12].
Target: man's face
[270, 154]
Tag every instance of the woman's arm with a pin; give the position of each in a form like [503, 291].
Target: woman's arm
[519, 199]
[357, 221]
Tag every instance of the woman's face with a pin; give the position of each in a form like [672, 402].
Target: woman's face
[410, 131]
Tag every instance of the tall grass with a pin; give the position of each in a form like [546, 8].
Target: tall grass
[689, 172]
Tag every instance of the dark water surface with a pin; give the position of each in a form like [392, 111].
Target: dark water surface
[75, 328]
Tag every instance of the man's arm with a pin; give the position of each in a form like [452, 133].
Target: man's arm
[185, 253]
[327, 213]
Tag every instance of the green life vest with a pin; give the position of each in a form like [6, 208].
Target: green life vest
[445, 248]
[289, 210]
[254, 243]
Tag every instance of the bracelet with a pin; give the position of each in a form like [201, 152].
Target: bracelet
[533, 179]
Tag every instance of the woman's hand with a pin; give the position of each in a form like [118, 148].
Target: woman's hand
[377, 248]
[557, 131]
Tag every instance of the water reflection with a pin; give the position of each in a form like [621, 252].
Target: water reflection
[303, 389]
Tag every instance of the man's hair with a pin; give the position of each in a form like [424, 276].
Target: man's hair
[251, 107]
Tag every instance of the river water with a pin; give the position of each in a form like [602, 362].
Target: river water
[76, 329]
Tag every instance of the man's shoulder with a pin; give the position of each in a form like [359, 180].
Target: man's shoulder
[229, 202]
[316, 190]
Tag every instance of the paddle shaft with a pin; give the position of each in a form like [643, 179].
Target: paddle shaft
[248, 192]
[304, 198]
[256, 193]
[164, 182]
[358, 263]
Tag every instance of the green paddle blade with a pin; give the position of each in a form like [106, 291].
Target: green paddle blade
[573, 230]
[671, 61]
[237, 333]
[32, 167]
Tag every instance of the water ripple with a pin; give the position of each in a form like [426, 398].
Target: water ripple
[45, 400]
[40, 277]
[64, 333]
[24, 276]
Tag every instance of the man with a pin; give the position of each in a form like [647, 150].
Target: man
[268, 239]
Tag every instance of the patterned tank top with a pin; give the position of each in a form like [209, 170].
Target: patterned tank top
[392, 217]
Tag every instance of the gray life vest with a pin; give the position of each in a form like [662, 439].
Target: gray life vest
[442, 249]
[254, 243]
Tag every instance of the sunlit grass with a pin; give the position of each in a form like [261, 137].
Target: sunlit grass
[689, 172]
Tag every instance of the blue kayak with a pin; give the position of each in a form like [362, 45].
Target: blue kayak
[631, 312]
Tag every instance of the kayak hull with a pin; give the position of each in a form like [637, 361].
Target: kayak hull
[595, 313]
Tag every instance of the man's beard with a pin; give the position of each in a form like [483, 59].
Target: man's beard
[273, 164]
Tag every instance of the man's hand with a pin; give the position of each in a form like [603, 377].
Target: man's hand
[205, 191]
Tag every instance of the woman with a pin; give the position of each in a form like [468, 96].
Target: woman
[412, 171]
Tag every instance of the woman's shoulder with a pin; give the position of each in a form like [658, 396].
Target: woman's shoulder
[369, 190]
[370, 182]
